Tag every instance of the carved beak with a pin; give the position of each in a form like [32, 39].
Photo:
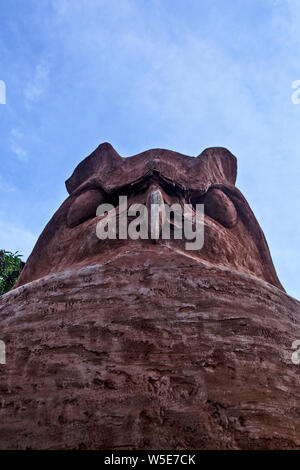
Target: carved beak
[156, 211]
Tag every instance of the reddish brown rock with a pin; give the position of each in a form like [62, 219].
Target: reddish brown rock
[124, 344]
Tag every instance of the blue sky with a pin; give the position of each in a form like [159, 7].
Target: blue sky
[178, 74]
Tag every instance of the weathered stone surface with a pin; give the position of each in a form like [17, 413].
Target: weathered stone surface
[124, 344]
[149, 351]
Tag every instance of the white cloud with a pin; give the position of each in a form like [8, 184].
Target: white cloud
[14, 238]
[36, 87]
[183, 83]
[21, 153]
[15, 144]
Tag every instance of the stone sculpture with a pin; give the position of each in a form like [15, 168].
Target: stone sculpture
[136, 344]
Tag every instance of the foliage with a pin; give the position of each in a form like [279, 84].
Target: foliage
[10, 269]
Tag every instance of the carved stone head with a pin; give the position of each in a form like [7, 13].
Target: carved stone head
[233, 238]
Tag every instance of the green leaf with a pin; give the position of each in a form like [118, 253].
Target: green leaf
[10, 269]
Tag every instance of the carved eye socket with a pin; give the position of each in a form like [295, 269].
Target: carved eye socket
[84, 207]
[218, 206]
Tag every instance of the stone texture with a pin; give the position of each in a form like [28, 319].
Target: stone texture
[139, 345]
